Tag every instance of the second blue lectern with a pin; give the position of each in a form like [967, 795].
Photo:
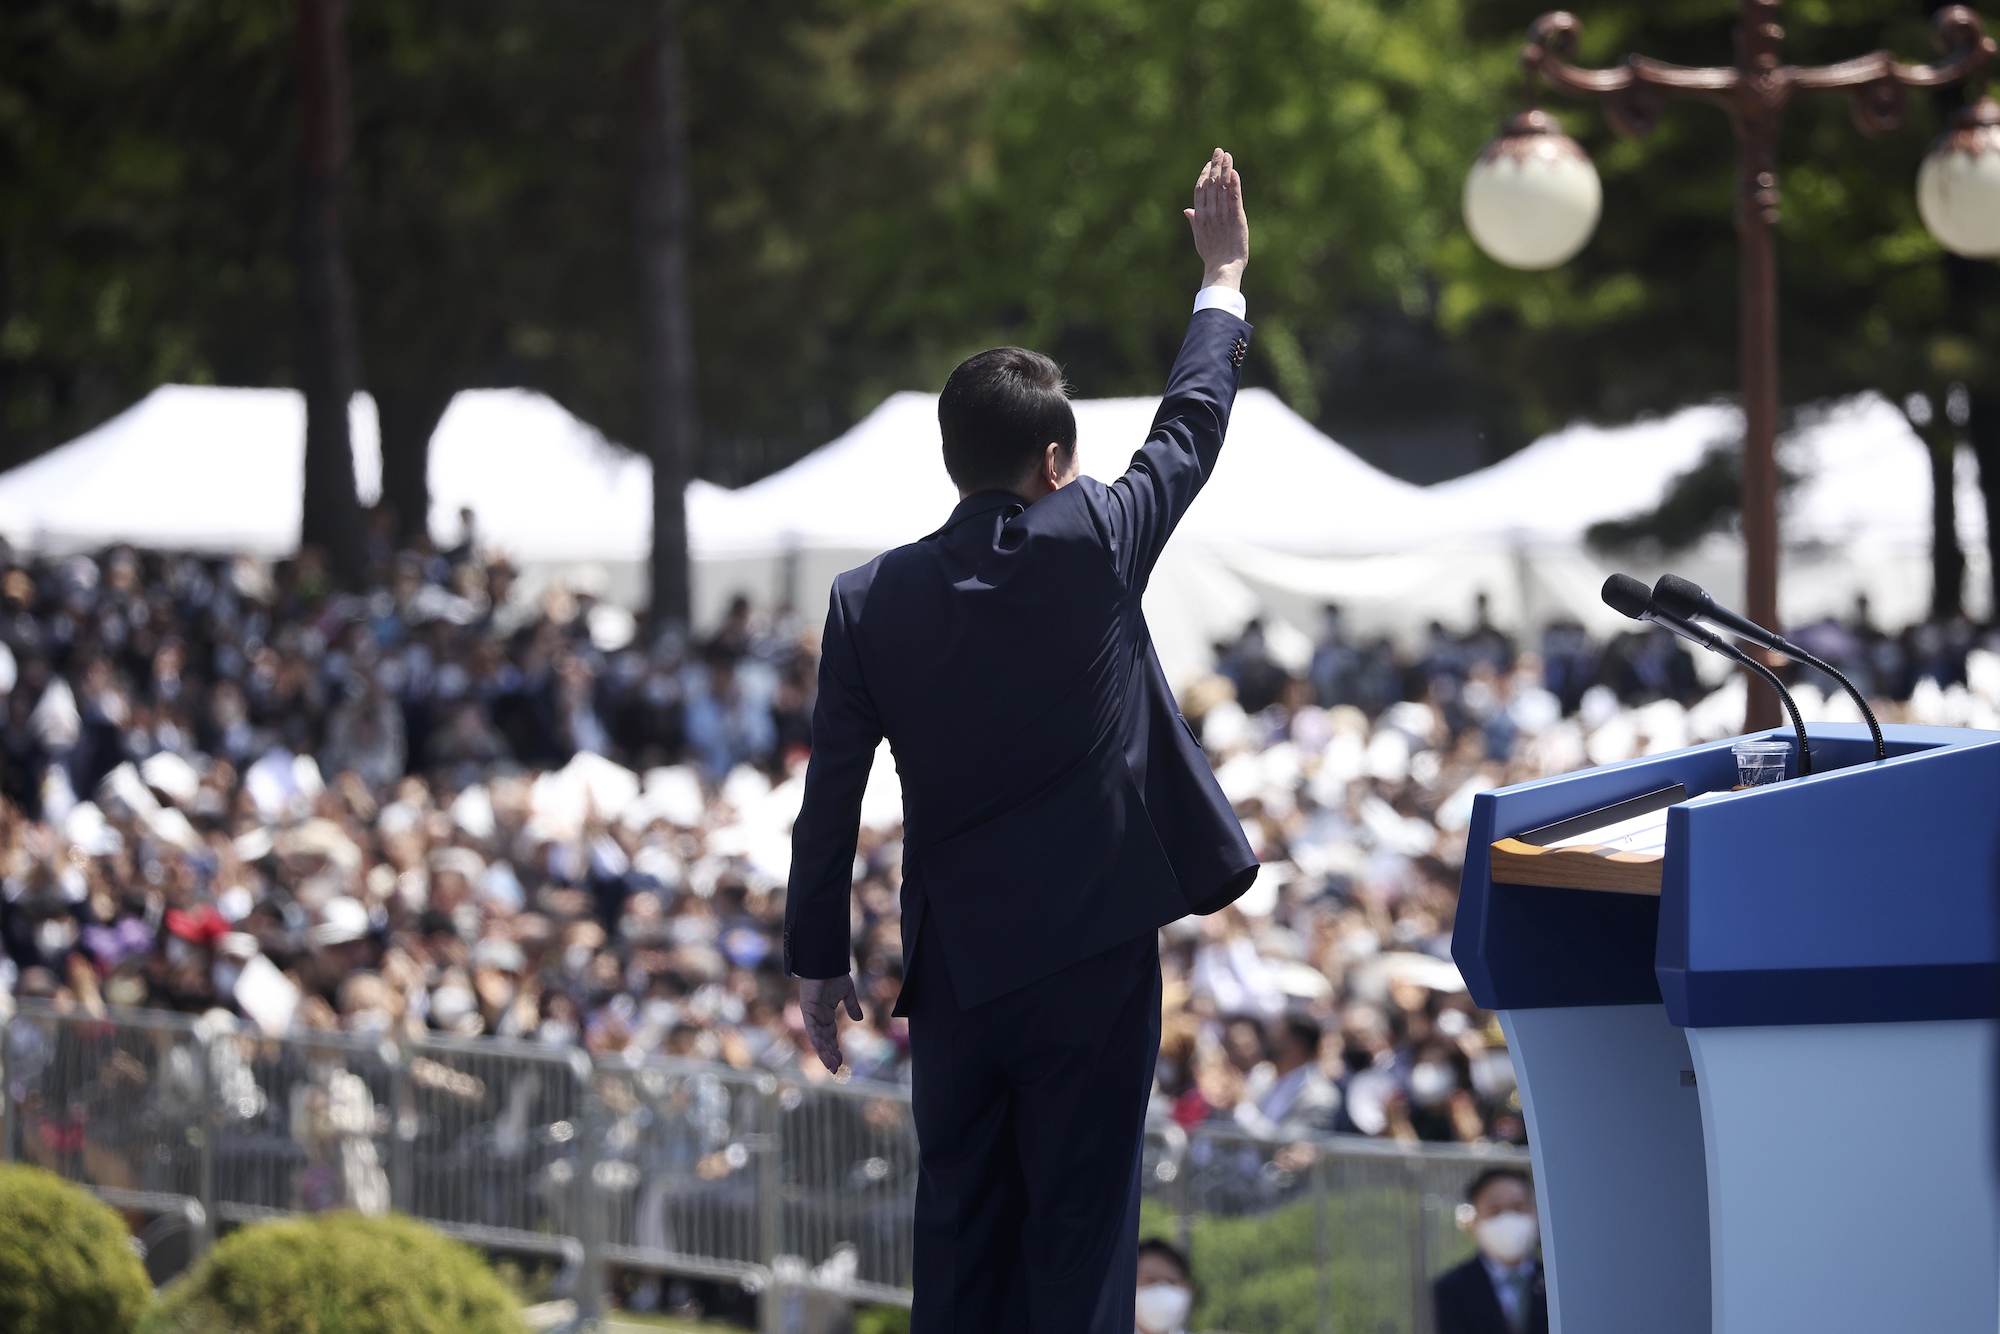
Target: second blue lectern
[1760, 1092]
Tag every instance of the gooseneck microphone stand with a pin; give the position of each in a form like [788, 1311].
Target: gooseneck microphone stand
[1627, 596]
[1691, 602]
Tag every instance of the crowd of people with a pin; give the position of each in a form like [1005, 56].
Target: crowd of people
[229, 788]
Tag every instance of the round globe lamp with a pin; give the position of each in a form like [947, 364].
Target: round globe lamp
[1958, 187]
[1532, 198]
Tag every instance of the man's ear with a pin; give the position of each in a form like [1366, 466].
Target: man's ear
[1061, 463]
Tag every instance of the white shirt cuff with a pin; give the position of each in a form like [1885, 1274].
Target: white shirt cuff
[1221, 298]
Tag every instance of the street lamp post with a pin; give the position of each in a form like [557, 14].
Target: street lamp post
[1528, 202]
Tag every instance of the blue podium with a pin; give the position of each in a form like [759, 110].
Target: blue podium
[1761, 1100]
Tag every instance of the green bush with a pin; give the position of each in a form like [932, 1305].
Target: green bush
[339, 1273]
[1259, 1272]
[66, 1260]
[882, 1320]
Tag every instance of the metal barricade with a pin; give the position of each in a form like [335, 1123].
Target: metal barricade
[680, 1172]
[497, 1142]
[123, 1105]
[299, 1125]
[847, 1185]
[798, 1191]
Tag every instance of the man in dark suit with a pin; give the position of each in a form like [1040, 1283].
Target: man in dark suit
[1057, 812]
[1502, 1290]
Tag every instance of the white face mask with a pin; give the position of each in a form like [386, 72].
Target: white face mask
[1507, 1237]
[1431, 1083]
[450, 1003]
[1163, 1307]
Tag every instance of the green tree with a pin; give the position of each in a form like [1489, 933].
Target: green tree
[329, 361]
[147, 168]
[480, 185]
[145, 205]
[879, 186]
[824, 137]
[1352, 121]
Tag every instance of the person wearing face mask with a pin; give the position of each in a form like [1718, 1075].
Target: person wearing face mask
[1502, 1290]
[1166, 1289]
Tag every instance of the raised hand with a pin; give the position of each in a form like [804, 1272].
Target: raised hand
[820, 1001]
[1221, 232]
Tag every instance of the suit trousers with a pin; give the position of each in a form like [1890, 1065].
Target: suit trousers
[1031, 1112]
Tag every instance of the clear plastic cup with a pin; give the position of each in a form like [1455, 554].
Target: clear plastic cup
[1762, 761]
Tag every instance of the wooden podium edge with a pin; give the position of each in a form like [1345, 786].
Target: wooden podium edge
[1600, 868]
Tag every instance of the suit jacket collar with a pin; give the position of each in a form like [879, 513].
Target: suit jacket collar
[976, 504]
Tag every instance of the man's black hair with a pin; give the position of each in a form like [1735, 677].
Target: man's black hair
[1493, 1174]
[999, 410]
[1169, 1252]
[1305, 1030]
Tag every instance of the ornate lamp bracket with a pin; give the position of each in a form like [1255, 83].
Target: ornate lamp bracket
[1759, 85]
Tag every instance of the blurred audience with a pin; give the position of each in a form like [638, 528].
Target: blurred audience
[453, 803]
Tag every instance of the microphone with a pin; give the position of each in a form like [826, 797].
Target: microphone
[1628, 597]
[1691, 602]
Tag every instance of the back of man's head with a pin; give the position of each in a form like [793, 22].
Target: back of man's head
[1304, 1030]
[1000, 410]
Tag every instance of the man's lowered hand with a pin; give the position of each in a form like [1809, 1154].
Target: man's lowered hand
[820, 1000]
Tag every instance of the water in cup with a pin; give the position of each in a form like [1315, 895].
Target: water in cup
[1762, 761]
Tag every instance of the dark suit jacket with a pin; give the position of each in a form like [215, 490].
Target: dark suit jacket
[1466, 1303]
[1055, 802]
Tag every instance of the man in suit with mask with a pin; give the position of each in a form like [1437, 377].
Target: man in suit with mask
[1502, 1290]
[1057, 812]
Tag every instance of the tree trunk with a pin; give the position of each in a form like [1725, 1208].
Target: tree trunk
[329, 358]
[409, 418]
[668, 423]
[1947, 559]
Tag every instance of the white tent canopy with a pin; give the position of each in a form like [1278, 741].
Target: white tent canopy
[1281, 486]
[883, 483]
[189, 468]
[543, 485]
[201, 468]
[1855, 520]
[1865, 479]
[1290, 520]
[1551, 492]
[1862, 476]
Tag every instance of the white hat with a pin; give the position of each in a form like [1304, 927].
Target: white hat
[342, 920]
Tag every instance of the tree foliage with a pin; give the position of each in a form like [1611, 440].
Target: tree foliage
[1352, 121]
[142, 239]
[146, 163]
[883, 185]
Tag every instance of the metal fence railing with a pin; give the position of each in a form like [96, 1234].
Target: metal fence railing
[672, 1167]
